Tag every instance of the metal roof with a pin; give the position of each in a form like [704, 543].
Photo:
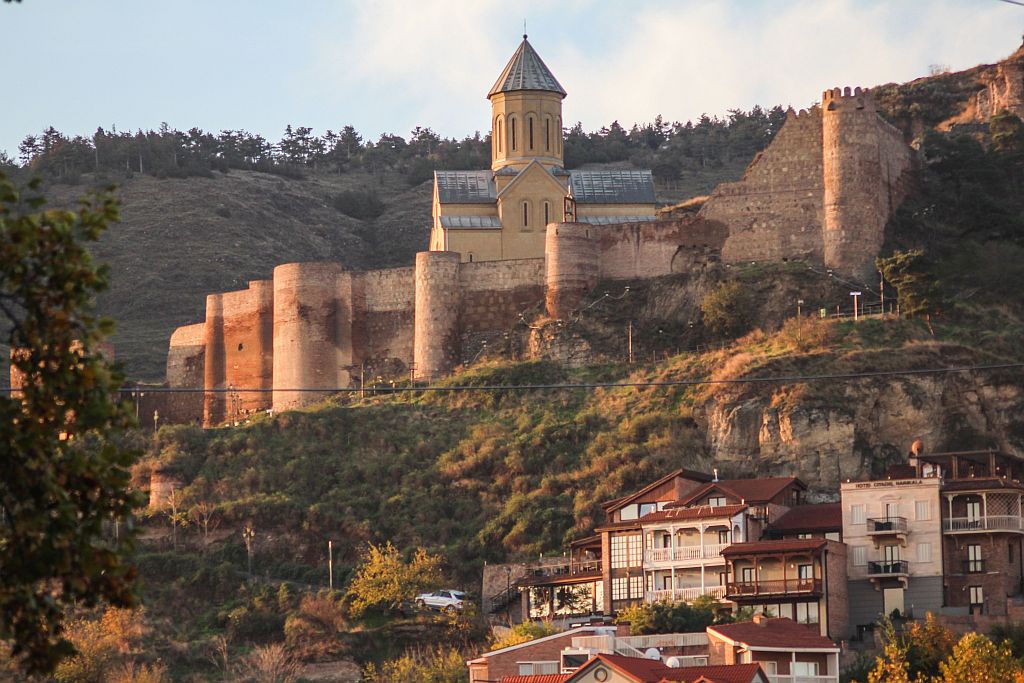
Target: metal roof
[612, 187]
[465, 187]
[470, 222]
[526, 71]
[613, 220]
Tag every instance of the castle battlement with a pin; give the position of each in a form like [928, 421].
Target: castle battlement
[858, 97]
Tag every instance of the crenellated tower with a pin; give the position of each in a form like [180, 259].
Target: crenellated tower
[863, 159]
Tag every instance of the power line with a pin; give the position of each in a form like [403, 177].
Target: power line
[782, 379]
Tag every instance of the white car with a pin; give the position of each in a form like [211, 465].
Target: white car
[445, 600]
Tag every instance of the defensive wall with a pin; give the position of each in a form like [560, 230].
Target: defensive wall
[822, 192]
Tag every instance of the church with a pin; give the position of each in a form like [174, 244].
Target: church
[502, 213]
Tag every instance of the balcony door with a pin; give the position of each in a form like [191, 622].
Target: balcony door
[892, 510]
[973, 514]
[892, 599]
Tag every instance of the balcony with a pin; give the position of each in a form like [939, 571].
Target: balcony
[888, 528]
[772, 587]
[776, 678]
[896, 568]
[683, 554]
[561, 572]
[974, 566]
[967, 525]
[685, 594]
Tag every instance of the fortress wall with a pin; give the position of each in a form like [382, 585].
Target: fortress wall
[775, 211]
[494, 293]
[185, 357]
[654, 248]
[864, 159]
[383, 302]
[436, 322]
[238, 351]
[572, 266]
[312, 331]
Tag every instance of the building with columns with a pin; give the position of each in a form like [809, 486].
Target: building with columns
[503, 212]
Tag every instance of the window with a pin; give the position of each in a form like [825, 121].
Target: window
[974, 562]
[892, 510]
[770, 668]
[723, 536]
[747, 574]
[804, 536]
[923, 510]
[857, 514]
[512, 131]
[803, 668]
[629, 512]
[973, 511]
[977, 598]
[647, 508]
[547, 212]
[807, 613]
[891, 553]
[537, 668]
[499, 136]
[805, 571]
[716, 501]
[530, 122]
[832, 536]
[547, 134]
[924, 552]
[859, 555]
[626, 551]
[526, 214]
[470, 257]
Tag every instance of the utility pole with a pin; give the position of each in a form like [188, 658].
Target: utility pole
[630, 341]
[881, 291]
[799, 303]
[330, 564]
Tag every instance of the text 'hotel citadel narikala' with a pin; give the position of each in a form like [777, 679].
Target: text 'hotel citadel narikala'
[528, 231]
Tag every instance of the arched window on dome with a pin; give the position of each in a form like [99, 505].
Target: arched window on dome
[499, 136]
[512, 132]
[547, 133]
[558, 134]
[529, 125]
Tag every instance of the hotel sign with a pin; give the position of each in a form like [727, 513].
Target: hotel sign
[888, 483]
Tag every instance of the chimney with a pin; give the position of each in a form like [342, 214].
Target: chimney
[761, 620]
[715, 470]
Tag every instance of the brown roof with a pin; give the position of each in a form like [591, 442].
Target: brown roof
[781, 545]
[536, 678]
[779, 632]
[978, 483]
[640, 670]
[699, 512]
[818, 517]
[715, 673]
[747, 490]
[611, 526]
[682, 472]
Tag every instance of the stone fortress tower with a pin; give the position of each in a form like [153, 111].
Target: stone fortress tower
[501, 251]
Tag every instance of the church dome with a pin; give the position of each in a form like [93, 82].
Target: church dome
[526, 71]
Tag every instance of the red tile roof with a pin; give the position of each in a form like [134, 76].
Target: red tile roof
[748, 490]
[536, 678]
[776, 633]
[699, 512]
[778, 546]
[640, 670]
[715, 673]
[819, 517]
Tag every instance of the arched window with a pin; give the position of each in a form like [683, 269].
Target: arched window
[558, 133]
[499, 136]
[530, 122]
[526, 215]
[547, 133]
[547, 213]
[470, 257]
[512, 132]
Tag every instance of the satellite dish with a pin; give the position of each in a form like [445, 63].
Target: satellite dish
[652, 653]
[674, 662]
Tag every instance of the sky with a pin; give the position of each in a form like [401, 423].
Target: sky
[386, 66]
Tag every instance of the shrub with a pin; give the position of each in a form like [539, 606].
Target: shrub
[666, 617]
[268, 664]
[524, 632]
[440, 665]
[361, 204]
[727, 310]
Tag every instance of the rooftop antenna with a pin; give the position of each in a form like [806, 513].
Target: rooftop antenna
[524, 29]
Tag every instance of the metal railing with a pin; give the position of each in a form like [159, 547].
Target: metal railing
[684, 552]
[773, 587]
[986, 523]
[630, 645]
[685, 594]
[887, 525]
[888, 568]
[778, 678]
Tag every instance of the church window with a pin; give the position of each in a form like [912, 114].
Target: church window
[530, 121]
[547, 133]
[558, 132]
[526, 214]
[547, 213]
[512, 132]
[499, 136]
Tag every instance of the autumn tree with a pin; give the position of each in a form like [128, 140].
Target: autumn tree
[385, 578]
[976, 659]
[61, 476]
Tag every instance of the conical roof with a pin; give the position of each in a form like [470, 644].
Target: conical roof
[526, 71]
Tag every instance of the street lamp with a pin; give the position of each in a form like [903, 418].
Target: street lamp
[799, 303]
[855, 296]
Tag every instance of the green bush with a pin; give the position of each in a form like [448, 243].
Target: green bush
[727, 310]
[364, 205]
[666, 617]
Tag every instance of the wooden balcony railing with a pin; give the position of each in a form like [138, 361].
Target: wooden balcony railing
[773, 587]
[985, 523]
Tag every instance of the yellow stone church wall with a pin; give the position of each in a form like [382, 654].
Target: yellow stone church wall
[522, 107]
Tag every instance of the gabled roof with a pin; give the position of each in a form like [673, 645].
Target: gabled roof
[526, 170]
[716, 673]
[778, 633]
[465, 187]
[747, 490]
[526, 71]
[784, 545]
[635, 668]
[699, 512]
[682, 472]
[809, 518]
[612, 187]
